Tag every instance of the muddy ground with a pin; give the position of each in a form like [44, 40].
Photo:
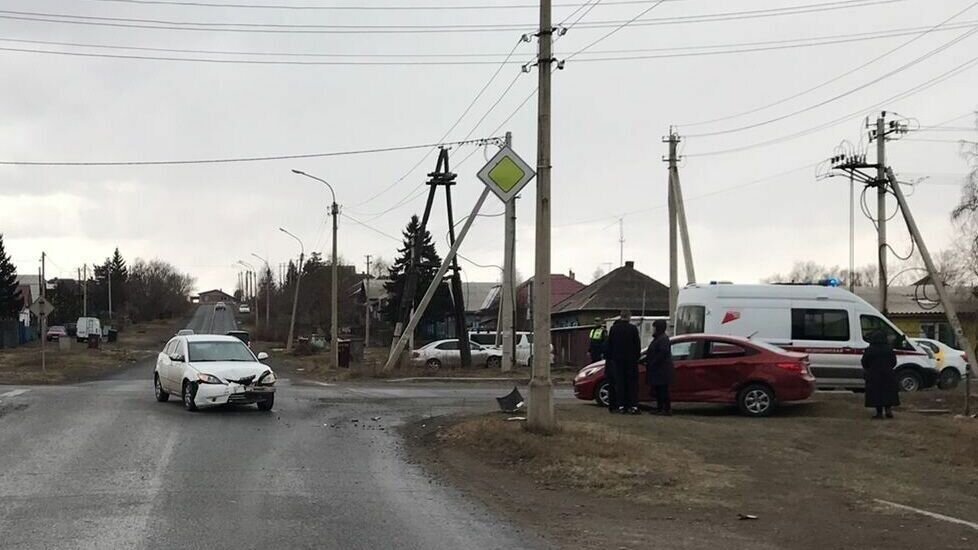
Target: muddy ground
[813, 475]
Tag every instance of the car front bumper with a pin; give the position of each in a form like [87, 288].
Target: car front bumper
[210, 395]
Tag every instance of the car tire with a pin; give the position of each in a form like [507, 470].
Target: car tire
[603, 393]
[432, 364]
[267, 404]
[493, 363]
[949, 379]
[756, 400]
[909, 380]
[189, 393]
[161, 395]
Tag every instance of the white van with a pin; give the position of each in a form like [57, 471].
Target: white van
[828, 323]
[87, 326]
[524, 344]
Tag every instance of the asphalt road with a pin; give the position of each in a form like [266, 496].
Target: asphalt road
[208, 320]
[103, 465]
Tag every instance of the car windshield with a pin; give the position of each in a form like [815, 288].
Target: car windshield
[219, 351]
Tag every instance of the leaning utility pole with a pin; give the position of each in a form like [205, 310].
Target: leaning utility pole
[935, 279]
[508, 288]
[881, 208]
[366, 296]
[540, 413]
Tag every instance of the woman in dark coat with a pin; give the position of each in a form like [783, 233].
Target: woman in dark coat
[882, 387]
[659, 371]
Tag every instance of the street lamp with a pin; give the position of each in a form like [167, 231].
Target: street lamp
[334, 306]
[251, 271]
[298, 279]
[268, 292]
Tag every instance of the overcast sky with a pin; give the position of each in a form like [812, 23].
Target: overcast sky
[751, 212]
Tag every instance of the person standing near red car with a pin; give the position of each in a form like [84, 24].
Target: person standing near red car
[659, 370]
[623, 350]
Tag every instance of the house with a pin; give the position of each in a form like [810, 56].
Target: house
[624, 288]
[214, 296]
[561, 287]
[917, 311]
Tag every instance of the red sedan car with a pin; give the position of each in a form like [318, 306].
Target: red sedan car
[753, 375]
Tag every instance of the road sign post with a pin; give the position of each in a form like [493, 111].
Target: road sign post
[42, 308]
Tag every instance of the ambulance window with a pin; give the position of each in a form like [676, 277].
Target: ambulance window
[871, 323]
[690, 319]
[820, 324]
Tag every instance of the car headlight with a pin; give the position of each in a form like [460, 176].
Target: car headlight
[267, 379]
[587, 372]
[208, 379]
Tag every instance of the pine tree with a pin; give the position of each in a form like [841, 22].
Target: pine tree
[429, 261]
[11, 301]
[119, 273]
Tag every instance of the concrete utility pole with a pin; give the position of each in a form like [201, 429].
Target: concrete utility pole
[250, 283]
[109, 275]
[881, 208]
[334, 332]
[935, 279]
[44, 317]
[540, 412]
[507, 296]
[621, 242]
[85, 290]
[366, 296]
[298, 280]
[673, 243]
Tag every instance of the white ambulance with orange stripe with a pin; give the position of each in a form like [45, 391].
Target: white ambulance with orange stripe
[828, 323]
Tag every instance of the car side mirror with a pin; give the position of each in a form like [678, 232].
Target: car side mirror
[176, 358]
[262, 356]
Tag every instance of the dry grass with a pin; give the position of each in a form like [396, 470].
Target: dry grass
[22, 365]
[606, 460]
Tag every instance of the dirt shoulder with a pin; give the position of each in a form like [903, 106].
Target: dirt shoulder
[22, 365]
[813, 475]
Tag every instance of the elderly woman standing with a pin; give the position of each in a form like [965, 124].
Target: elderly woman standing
[882, 387]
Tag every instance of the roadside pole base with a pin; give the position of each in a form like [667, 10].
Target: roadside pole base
[540, 407]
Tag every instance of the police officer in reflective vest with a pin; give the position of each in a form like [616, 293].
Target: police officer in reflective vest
[597, 341]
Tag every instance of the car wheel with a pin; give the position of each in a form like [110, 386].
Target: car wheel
[189, 393]
[603, 394]
[756, 400]
[267, 404]
[433, 364]
[950, 377]
[909, 380]
[161, 394]
[492, 363]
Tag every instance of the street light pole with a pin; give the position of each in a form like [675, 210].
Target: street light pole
[334, 211]
[268, 292]
[298, 280]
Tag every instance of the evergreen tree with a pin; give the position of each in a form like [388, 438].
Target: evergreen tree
[11, 301]
[427, 266]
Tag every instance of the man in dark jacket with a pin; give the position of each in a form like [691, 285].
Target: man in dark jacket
[622, 351]
[882, 387]
[596, 341]
[659, 371]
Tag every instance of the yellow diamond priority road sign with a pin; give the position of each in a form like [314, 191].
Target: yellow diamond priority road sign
[506, 174]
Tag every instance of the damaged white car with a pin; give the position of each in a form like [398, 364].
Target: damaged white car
[209, 370]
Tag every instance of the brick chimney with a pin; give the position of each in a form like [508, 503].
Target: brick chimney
[630, 264]
[572, 275]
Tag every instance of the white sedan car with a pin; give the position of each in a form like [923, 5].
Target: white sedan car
[447, 353]
[951, 363]
[209, 370]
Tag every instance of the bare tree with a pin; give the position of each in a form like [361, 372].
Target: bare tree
[968, 205]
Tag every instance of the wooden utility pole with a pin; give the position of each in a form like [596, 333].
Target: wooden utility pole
[366, 296]
[540, 412]
[508, 288]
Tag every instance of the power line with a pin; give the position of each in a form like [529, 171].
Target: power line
[609, 34]
[370, 227]
[942, 24]
[916, 89]
[846, 93]
[326, 7]
[234, 159]
[279, 28]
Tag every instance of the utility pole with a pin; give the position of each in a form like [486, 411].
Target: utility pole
[85, 290]
[334, 315]
[507, 297]
[881, 208]
[268, 291]
[935, 279]
[298, 280]
[540, 413]
[621, 242]
[852, 234]
[109, 276]
[673, 243]
[366, 296]
[43, 316]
